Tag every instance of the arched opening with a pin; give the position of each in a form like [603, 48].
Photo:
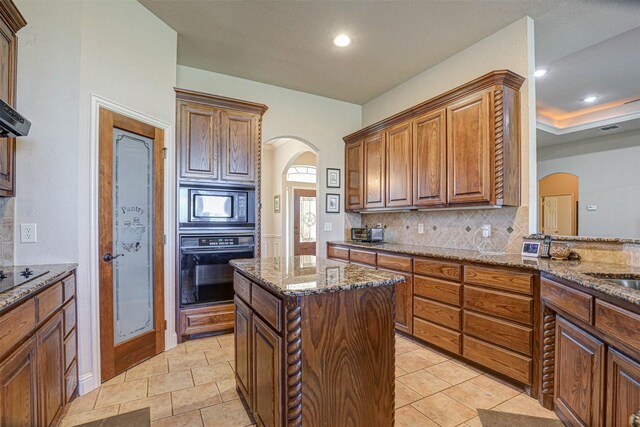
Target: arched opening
[289, 197]
[558, 204]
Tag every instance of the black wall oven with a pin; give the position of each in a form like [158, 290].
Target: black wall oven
[206, 277]
[217, 208]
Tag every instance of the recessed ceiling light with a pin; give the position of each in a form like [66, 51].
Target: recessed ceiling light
[540, 72]
[342, 40]
[590, 99]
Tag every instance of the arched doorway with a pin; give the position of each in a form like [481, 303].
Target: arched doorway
[559, 199]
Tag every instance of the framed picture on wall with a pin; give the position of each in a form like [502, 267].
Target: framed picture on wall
[333, 178]
[276, 203]
[332, 203]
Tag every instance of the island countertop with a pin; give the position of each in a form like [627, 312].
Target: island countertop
[307, 275]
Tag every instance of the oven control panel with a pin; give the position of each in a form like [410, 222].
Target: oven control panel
[218, 241]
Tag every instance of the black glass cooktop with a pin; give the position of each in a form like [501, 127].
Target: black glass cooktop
[13, 277]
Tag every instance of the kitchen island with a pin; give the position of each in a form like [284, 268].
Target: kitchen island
[314, 341]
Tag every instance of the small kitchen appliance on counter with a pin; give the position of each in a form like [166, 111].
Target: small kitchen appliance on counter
[367, 234]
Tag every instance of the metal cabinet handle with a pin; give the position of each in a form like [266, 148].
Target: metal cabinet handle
[108, 257]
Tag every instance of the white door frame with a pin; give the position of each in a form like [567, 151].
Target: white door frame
[92, 380]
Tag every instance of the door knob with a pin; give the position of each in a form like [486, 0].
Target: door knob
[108, 257]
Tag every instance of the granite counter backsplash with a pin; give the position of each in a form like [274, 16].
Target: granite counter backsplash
[16, 295]
[574, 271]
[306, 275]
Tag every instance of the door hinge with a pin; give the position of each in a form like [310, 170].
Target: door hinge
[165, 325]
[164, 152]
[164, 239]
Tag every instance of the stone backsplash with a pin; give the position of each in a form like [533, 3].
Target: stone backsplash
[7, 224]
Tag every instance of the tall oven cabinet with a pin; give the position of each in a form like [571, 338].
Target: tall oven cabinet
[218, 191]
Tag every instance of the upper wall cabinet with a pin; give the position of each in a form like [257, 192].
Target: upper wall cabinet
[461, 148]
[10, 22]
[354, 176]
[218, 139]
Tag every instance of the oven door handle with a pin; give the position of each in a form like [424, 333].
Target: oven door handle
[227, 249]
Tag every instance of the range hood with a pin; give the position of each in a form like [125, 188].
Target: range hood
[12, 123]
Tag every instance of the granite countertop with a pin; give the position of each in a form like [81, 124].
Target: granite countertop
[307, 275]
[579, 272]
[16, 295]
[556, 238]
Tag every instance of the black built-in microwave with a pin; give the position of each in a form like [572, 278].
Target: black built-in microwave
[218, 208]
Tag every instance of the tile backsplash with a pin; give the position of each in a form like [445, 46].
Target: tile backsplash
[460, 229]
[7, 224]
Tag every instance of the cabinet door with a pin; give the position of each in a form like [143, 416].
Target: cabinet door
[404, 303]
[469, 150]
[7, 87]
[242, 334]
[374, 170]
[239, 139]
[623, 389]
[399, 166]
[266, 374]
[354, 161]
[579, 374]
[18, 387]
[199, 142]
[51, 370]
[430, 159]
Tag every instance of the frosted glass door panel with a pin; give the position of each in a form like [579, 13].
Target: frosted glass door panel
[132, 235]
[307, 219]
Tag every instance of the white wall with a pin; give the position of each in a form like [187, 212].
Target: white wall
[320, 121]
[607, 170]
[70, 50]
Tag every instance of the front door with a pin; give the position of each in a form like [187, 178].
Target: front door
[304, 222]
[558, 215]
[131, 242]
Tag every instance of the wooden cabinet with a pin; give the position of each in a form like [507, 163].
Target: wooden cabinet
[50, 347]
[469, 150]
[199, 142]
[374, 170]
[354, 176]
[266, 368]
[623, 389]
[239, 144]
[18, 387]
[579, 372]
[242, 333]
[404, 302]
[399, 166]
[206, 319]
[430, 159]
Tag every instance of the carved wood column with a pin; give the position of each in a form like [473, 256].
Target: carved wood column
[548, 357]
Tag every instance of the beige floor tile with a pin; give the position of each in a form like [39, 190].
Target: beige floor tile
[196, 397]
[400, 372]
[83, 403]
[496, 386]
[212, 373]
[431, 355]
[155, 366]
[88, 416]
[473, 396]
[160, 405]
[233, 366]
[225, 340]
[120, 393]
[523, 404]
[411, 362]
[179, 349]
[202, 344]
[189, 419]
[444, 410]
[227, 389]
[473, 422]
[115, 380]
[228, 414]
[424, 383]
[405, 395]
[405, 346]
[220, 355]
[409, 416]
[159, 384]
[452, 372]
[187, 361]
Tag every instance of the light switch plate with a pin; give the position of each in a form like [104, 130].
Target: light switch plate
[420, 228]
[28, 233]
[592, 207]
[328, 226]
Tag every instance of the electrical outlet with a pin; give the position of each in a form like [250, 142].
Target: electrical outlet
[420, 228]
[28, 233]
[486, 230]
[328, 226]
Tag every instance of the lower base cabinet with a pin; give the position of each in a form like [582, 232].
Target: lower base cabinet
[18, 385]
[242, 331]
[266, 374]
[623, 389]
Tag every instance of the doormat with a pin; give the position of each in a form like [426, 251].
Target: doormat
[506, 419]
[138, 418]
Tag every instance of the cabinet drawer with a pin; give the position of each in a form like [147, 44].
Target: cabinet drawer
[500, 360]
[362, 257]
[69, 317]
[70, 382]
[70, 350]
[508, 306]
[442, 269]
[206, 319]
[16, 324]
[395, 262]
[437, 335]
[439, 290]
[242, 287]
[575, 303]
[267, 306]
[69, 284]
[49, 301]
[436, 312]
[619, 323]
[338, 252]
[500, 279]
[501, 332]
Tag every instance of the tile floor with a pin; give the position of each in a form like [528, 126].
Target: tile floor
[194, 385]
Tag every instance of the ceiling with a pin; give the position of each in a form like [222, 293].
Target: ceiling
[545, 139]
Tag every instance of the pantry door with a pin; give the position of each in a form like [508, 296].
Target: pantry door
[131, 242]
